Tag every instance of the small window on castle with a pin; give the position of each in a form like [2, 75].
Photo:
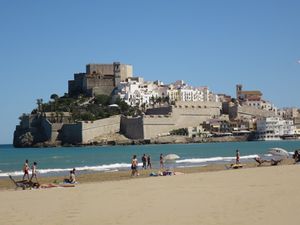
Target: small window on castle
[199, 106]
[186, 106]
[180, 106]
[193, 106]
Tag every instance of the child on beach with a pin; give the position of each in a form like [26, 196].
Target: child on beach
[26, 170]
[134, 164]
[33, 170]
[237, 155]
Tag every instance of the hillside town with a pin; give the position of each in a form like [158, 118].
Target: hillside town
[107, 104]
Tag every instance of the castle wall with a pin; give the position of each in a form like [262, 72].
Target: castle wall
[159, 111]
[76, 86]
[72, 133]
[248, 111]
[158, 125]
[183, 115]
[195, 113]
[93, 129]
[132, 127]
[103, 69]
[125, 71]
[47, 127]
[97, 85]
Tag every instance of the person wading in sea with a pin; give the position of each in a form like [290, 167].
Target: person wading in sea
[26, 170]
[134, 165]
[237, 157]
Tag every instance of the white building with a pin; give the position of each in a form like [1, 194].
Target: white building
[274, 128]
[261, 104]
[200, 94]
[135, 92]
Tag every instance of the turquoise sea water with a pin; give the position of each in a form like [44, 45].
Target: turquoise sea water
[58, 161]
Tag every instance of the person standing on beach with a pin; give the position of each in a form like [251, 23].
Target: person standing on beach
[161, 161]
[33, 170]
[134, 164]
[26, 170]
[149, 165]
[144, 161]
[237, 157]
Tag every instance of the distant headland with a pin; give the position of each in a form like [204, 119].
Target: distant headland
[107, 105]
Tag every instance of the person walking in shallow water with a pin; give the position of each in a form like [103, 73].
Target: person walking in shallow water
[33, 171]
[144, 161]
[161, 161]
[237, 157]
[134, 164]
[149, 165]
[26, 170]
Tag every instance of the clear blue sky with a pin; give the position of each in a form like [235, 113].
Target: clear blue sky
[214, 42]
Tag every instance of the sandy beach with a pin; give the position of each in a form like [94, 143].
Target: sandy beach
[264, 195]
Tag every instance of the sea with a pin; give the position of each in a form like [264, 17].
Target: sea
[60, 160]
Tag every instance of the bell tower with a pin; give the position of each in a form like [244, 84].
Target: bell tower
[239, 88]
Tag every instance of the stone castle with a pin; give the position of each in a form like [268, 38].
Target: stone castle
[99, 79]
[155, 122]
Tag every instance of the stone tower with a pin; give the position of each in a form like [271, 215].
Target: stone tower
[239, 88]
[117, 73]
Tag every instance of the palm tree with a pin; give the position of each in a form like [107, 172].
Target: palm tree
[39, 102]
[54, 97]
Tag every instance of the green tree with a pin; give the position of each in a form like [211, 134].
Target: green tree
[54, 97]
[102, 100]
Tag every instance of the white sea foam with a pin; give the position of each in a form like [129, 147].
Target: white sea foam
[107, 168]
[214, 159]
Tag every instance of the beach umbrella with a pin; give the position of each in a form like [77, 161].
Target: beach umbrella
[279, 152]
[171, 157]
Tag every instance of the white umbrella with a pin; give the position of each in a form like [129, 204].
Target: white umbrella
[280, 152]
[171, 157]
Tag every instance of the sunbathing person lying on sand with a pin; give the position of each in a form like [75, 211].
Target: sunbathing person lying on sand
[234, 166]
[273, 162]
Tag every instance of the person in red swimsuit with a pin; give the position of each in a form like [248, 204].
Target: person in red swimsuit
[237, 157]
[26, 170]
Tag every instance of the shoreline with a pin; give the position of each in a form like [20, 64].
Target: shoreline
[100, 177]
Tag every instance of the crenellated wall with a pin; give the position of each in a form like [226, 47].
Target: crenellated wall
[182, 115]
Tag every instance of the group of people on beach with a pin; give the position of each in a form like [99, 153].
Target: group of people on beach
[26, 169]
[146, 160]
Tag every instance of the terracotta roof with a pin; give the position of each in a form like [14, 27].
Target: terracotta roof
[251, 92]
